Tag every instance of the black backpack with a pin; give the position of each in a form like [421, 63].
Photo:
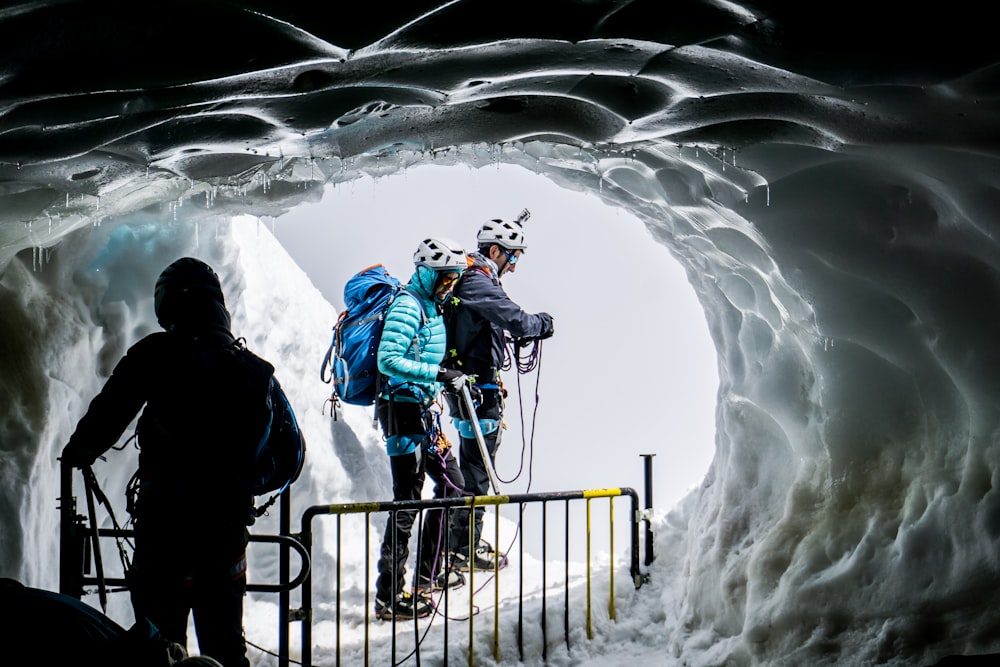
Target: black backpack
[264, 449]
[280, 448]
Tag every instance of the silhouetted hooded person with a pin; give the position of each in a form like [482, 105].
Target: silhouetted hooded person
[193, 507]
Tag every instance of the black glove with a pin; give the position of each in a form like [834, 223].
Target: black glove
[547, 326]
[77, 457]
[454, 380]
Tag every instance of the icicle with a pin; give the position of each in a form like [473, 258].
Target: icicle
[767, 187]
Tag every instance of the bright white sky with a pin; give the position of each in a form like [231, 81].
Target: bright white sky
[631, 369]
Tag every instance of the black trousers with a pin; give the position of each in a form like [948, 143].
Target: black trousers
[409, 472]
[474, 473]
[176, 573]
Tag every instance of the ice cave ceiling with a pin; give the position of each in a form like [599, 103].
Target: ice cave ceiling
[828, 175]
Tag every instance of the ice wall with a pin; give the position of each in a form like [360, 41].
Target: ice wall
[829, 184]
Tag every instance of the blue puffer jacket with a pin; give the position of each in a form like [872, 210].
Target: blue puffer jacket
[412, 347]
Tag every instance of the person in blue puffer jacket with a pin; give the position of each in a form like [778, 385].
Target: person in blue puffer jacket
[409, 355]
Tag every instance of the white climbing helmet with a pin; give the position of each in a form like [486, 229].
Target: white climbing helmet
[507, 234]
[440, 255]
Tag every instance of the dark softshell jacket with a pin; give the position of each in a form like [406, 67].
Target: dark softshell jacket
[193, 449]
[483, 312]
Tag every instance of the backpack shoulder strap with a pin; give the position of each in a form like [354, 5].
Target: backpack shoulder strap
[420, 305]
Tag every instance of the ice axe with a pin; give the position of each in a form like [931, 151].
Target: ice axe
[474, 419]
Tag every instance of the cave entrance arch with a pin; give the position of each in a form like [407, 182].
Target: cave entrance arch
[632, 369]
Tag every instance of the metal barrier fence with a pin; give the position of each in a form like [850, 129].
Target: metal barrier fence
[307, 612]
[81, 562]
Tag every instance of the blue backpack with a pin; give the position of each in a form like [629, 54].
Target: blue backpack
[351, 361]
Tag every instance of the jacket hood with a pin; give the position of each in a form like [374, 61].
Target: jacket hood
[188, 296]
[422, 282]
[479, 260]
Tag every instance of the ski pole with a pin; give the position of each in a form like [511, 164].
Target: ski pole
[474, 419]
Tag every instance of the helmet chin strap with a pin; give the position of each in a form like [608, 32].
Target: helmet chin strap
[506, 262]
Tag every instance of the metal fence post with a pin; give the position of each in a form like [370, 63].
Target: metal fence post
[648, 468]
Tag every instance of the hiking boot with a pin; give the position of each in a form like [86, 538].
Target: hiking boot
[449, 578]
[406, 606]
[482, 560]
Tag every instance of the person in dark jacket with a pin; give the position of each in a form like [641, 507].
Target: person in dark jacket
[409, 356]
[193, 505]
[481, 318]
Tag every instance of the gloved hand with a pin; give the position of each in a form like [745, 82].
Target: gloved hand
[76, 457]
[548, 327]
[454, 380]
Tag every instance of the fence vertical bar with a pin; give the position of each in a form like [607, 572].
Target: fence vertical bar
[496, 584]
[648, 474]
[368, 584]
[306, 536]
[472, 577]
[520, 582]
[447, 565]
[284, 596]
[634, 523]
[566, 583]
[545, 559]
[611, 533]
[71, 545]
[419, 518]
[340, 527]
[590, 629]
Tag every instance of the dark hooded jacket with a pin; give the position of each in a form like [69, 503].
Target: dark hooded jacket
[192, 427]
[480, 313]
